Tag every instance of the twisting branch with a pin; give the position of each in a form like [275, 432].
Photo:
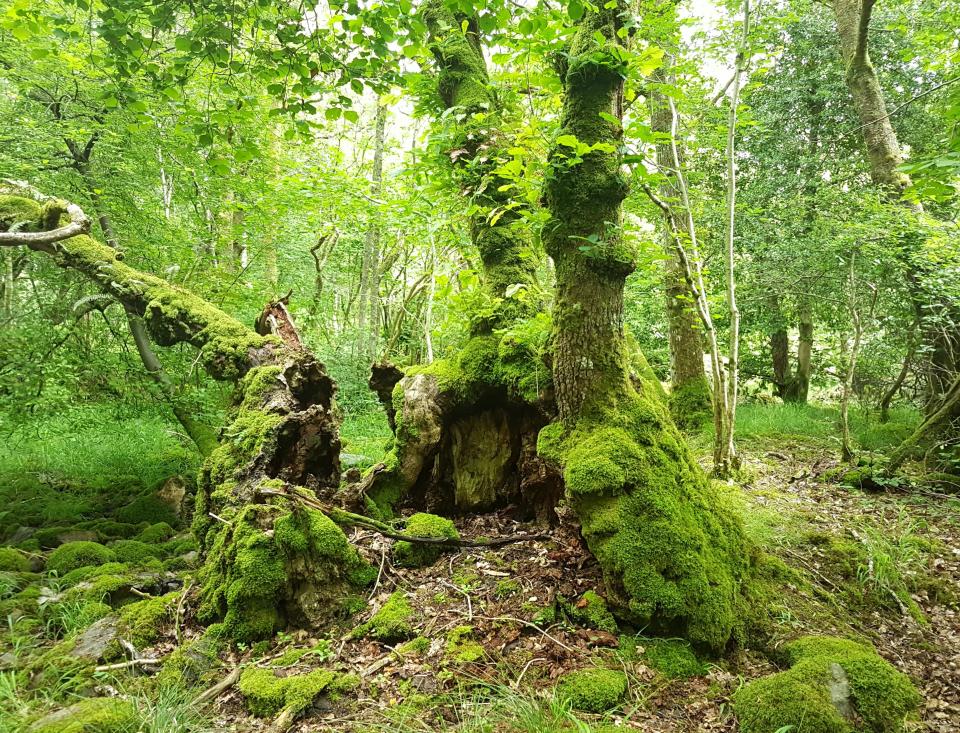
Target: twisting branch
[863, 29]
[79, 222]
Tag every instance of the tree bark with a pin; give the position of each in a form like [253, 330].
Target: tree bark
[798, 387]
[369, 311]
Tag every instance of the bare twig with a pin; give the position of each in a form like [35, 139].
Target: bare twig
[209, 694]
[143, 661]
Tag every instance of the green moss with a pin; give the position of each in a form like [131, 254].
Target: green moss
[146, 508]
[461, 647]
[191, 663]
[691, 404]
[593, 690]
[390, 624]
[672, 549]
[73, 555]
[156, 533]
[89, 572]
[414, 554]
[13, 561]
[93, 715]
[267, 694]
[821, 667]
[135, 552]
[507, 587]
[266, 554]
[673, 658]
[592, 611]
[49, 537]
[418, 646]
[142, 622]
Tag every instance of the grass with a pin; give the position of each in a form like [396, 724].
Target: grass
[820, 422]
[59, 470]
[493, 709]
[366, 434]
[893, 552]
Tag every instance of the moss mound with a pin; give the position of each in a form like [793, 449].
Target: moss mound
[94, 715]
[146, 508]
[135, 552]
[592, 611]
[267, 695]
[13, 561]
[672, 550]
[142, 622]
[593, 690]
[833, 686]
[159, 532]
[73, 555]
[416, 554]
[391, 623]
[673, 658]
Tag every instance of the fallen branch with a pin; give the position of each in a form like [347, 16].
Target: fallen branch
[178, 616]
[129, 663]
[532, 626]
[341, 516]
[53, 209]
[209, 694]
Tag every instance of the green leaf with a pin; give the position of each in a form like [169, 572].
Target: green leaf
[575, 10]
[569, 141]
[332, 113]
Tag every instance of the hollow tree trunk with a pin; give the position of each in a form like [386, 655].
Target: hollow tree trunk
[671, 554]
[266, 564]
[690, 400]
[466, 426]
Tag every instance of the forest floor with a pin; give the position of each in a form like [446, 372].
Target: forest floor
[487, 633]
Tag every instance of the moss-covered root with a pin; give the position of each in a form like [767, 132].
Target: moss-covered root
[593, 690]
[673, 553]
[833, 686]
[414, 555]
[271, 567]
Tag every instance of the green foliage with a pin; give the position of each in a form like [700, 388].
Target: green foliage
[820, 668]
[414, 554]
[73, 555]
[593, 690]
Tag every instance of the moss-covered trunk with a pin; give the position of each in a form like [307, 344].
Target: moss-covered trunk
[672, 554]
[466, 425]
[266, 563]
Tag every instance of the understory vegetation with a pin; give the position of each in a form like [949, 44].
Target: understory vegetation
[474, 366]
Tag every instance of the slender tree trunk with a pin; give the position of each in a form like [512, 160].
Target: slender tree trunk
[691, 401]
[368, 312]
[780, 359]
[894, 388]
[798, 387]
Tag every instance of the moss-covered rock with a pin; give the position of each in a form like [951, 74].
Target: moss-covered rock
[156, 533]
[13, 561]
[73, 555]
[391, 623]
[135, 552]
[267, 694]
[142, 622]
[94, 715]
[832, 686]
[146, 508]
[416, 554]
[191, 663]
[593, 690]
